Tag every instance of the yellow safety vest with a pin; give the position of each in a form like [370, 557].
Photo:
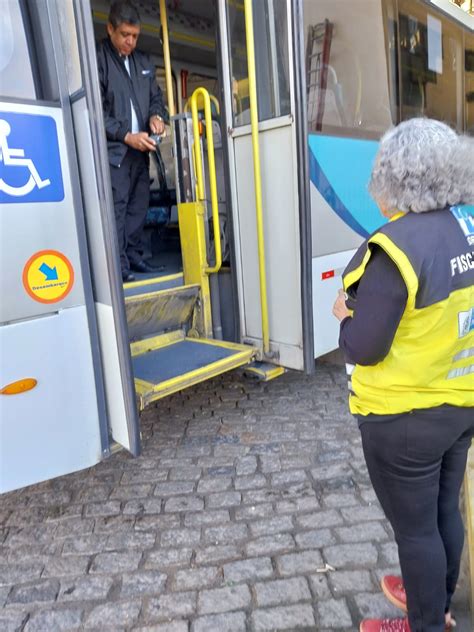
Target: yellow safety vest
[431, 360]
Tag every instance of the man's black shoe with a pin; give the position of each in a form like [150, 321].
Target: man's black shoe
[127, 276]
[143, 266]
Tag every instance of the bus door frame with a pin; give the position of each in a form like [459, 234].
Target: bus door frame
[105, 268]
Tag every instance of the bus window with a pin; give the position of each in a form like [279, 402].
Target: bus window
[469, 82]
[16, 76]
[196, 80]
[161, 80]
[166, 145]
[271, 55]
[390, 26]
[346, 69]
[68, 32]
[430, 64]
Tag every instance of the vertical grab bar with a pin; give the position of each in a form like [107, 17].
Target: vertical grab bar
[256, 170]
[200, 188]
[166, 56]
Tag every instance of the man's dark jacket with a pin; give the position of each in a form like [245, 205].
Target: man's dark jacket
[116, 88]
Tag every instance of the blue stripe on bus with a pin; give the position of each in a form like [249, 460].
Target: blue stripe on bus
[340, 170]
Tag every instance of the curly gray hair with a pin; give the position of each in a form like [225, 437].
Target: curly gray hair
[422, 165]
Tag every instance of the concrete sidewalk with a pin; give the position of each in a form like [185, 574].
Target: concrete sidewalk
[249, 510]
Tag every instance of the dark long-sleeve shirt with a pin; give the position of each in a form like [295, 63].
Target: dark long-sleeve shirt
[379, 302]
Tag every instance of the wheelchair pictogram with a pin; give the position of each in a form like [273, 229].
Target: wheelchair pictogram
[31, 169]
[15, 157]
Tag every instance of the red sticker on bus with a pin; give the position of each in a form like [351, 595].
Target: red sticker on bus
[327, 275]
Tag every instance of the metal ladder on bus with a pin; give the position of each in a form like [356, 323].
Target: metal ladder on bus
[169, 318]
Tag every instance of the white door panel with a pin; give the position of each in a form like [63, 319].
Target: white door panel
[281, 236]
[273, 40]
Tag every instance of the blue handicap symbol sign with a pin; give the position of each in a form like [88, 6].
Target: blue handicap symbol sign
[30, 163]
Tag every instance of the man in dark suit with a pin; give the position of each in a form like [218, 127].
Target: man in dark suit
[133, 108]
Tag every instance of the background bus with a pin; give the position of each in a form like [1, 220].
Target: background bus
[370, 65]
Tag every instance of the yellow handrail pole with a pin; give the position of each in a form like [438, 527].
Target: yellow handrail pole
[256, 170]
[212, 183]
[212, 169]
[167, 58]
[200, 195]
[213, 99]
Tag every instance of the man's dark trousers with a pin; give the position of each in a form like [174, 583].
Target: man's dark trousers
[131, 193]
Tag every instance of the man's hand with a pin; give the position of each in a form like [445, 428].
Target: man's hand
[140, 141]
[339, 308]
[157, 125]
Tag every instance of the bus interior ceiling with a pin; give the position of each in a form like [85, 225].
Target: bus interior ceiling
[192, 39]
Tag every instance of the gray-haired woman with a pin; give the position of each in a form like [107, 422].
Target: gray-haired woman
[407, 331]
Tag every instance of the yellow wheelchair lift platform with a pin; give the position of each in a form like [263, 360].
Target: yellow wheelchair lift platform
[168, 363]
[165, 363]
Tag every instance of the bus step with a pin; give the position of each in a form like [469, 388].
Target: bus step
[153, 285]
[263, 371]
[153, 312]
[168, 363]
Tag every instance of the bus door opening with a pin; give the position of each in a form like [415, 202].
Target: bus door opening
[191, 299]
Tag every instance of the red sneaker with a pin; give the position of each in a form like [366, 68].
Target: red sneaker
[385, 625]
[393, 589]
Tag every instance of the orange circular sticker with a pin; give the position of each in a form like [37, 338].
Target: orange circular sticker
[48, 276]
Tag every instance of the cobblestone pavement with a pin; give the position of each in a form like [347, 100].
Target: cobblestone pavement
[243, 494]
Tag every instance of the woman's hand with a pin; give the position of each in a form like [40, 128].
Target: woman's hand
[339, 308]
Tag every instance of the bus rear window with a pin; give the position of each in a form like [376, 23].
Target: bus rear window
[16, 76]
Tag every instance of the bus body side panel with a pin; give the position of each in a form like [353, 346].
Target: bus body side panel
[343, 215]
[327, 271]
[45, 334]
[348, 103]
[52, 429]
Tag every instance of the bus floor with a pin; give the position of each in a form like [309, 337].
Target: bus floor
[162, 249]
[249, 509]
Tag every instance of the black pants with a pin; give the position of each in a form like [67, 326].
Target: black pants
[416, 464]
[131, 193]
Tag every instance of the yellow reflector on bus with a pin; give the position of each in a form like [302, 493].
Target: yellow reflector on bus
[20, 386]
